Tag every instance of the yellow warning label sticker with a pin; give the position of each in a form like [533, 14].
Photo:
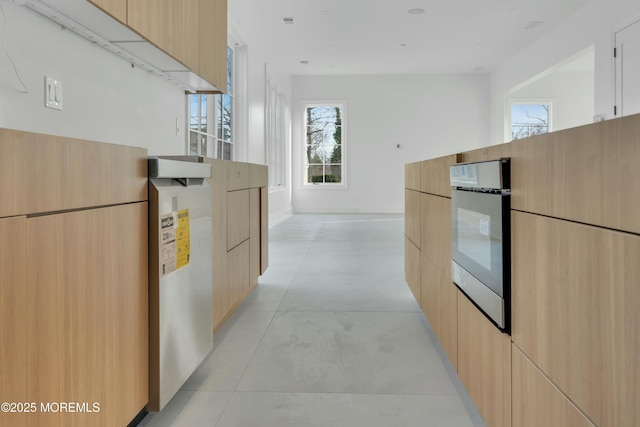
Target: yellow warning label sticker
[182, 238]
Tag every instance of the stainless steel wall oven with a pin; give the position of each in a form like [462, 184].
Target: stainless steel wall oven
[481, 230]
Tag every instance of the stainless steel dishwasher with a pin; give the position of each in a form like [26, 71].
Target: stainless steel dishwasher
[180, 274]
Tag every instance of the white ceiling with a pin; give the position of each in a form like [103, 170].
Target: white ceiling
[381, 37]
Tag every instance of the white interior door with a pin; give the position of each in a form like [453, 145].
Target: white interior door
[627, 64]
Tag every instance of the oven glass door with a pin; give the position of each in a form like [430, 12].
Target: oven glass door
[480, 236]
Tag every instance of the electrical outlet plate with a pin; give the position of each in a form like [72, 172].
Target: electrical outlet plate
[52, 93]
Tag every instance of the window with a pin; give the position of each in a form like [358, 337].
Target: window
[324, 144]
[276, 138]
[529, 119]
[211, 120]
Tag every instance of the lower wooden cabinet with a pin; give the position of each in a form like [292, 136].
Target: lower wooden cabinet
[536, 401]
[439, 302]
[438, 297]
[238, 211]
[238, 272]
[412, 217]
[484, 364]
[14, 370]
[412, 267]
[575, 312]
[240, 233]
[254, 235]
[74, 322]
[88, 328]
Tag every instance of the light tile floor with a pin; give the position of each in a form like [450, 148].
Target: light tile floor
[331, 336]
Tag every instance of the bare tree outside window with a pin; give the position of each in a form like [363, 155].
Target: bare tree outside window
[529, 120]
[324, 144]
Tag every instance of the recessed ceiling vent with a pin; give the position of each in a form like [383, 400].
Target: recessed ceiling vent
[288, 21]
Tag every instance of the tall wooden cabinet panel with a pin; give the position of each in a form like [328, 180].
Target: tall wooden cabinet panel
[129, 310]
[14, 371]
[484, 364]
[171, 25]
[435, 237]
[537, 401]
[115, 8]
[575, 312]
[264, 229]
[213, 42]
[88, 318]
[437, 293]
[254, 235]
[221, 288]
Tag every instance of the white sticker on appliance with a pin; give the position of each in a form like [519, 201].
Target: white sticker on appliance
[484, 227]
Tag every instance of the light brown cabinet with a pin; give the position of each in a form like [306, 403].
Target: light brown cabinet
[171, 25]
[73, 279]
[412, 267]
[240, 233]
[238, 213]
[14, 369]
[434, 175]
[87, 323]
[572, 359]
[536, 401]
[412, 176]
[484, 364]
[255, 236]
[213, 42]
[575, 312]
[192, 32]
[428, 247]
[437, 292]
[412, 216]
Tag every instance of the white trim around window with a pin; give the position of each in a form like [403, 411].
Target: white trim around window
[324, 145]
[534, 122]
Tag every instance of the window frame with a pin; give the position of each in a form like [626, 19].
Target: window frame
[343, 144]
[512, 102]
[212, 135]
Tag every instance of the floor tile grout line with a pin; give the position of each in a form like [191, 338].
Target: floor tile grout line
[226, 405]
[268, 325]
[351, 393]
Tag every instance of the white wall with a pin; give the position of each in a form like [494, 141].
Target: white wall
[593, 24]
[429, 116]
[105, 99]
[571, 94]
[280, 206]
[280, 200]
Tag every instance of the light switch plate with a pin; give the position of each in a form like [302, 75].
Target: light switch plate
[52, 93]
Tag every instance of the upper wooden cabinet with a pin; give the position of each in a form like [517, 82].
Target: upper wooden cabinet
[192, 32]
[213, 42]
[171, 25]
